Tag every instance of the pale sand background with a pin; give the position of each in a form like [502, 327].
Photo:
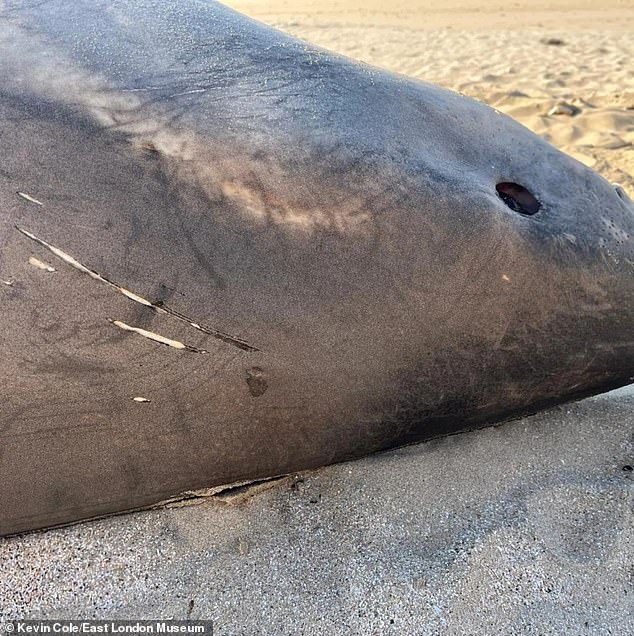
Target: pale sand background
[523, 529]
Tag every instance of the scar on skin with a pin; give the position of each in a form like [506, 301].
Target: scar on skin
[150, 335]
[163, 309]
[29, 198]
[36, 262]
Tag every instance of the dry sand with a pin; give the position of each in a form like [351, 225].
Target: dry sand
[522, 529]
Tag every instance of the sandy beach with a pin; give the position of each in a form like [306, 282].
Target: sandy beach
[525, 528]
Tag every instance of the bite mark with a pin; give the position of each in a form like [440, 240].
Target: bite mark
[163, 309]
[150, 335]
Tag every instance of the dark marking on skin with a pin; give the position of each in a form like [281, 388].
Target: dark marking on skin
[149, 148]
[166, 291]
[163, 295]
[256, 382]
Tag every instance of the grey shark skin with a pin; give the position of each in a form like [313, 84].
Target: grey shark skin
[227, 255]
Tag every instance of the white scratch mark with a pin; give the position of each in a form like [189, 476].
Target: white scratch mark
[28, 197]
[36, 262]
[141, 399]
[506, 278]
[150, 335]
[73, 262]
[67, 258]
[135, 297]
[190, 92]
[8, 283]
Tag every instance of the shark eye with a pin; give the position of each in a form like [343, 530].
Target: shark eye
[518, 198]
